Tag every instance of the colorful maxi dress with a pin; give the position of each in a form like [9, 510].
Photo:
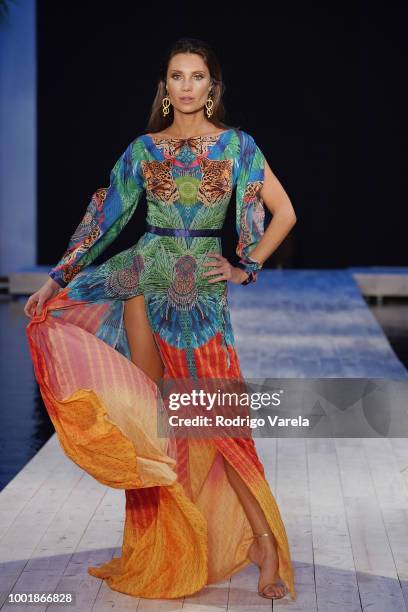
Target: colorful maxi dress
[184, 525]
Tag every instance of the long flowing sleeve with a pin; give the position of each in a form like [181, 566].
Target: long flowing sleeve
[250, 209]
[108, 212]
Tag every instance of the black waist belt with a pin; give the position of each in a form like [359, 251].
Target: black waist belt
[172, 231]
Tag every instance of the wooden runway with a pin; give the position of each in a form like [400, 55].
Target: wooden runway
[344, 501]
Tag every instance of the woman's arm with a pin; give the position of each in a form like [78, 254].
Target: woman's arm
[108, 212]
[284, 218]
[258, 187]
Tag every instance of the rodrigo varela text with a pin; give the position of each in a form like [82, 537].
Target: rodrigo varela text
[221, 421]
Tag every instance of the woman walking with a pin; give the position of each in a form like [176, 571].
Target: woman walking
[197, 510]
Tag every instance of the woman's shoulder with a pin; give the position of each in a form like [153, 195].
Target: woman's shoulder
[245, 137]
[137, 145]
[247, 142]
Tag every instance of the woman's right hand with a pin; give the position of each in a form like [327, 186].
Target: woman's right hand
[35, 302]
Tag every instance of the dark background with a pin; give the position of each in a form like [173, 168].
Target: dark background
[321, 88]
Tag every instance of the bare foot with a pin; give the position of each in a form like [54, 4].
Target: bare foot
[263, 553]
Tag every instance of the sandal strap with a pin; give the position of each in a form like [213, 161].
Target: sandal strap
[258, 535]
[263, 591]
[278, 583]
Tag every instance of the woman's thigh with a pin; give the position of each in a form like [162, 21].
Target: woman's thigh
[143, 348]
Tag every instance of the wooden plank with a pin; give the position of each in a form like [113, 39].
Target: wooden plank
[392, 495]
[336, 581]
[21, 489]
[211, 597]
[400, 450]
[293, 497]
[243, 594]
[375, 568]
[53, 550]
[24, 533]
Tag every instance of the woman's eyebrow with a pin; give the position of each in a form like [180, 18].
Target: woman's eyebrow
[193, 71]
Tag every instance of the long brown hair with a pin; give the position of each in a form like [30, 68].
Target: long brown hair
[157, 122]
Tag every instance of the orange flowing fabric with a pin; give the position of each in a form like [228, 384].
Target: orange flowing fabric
[185, 527]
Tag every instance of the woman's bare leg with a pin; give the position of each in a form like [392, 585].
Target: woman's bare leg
[262, 549]
[145, 354]
[142, 345]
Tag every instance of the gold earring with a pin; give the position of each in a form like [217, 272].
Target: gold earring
[209, 106]
[166, 105]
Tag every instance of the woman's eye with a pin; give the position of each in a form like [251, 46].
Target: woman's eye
[197, 75]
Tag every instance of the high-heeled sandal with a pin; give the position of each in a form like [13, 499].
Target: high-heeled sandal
[278, 583]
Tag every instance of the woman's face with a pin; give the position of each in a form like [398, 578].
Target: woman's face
[188, 82]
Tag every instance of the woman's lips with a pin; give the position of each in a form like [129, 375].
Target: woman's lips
[186, 99]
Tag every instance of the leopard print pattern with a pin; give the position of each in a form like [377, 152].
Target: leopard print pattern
[171, 147]
[159, 180]
[216, 183]
[88, 231]
[251, 191]
[253, 208]
[91, 235]
[85, 235]
[70, 271]
[245, 231]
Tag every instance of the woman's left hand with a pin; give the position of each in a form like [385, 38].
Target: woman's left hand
[223, 270]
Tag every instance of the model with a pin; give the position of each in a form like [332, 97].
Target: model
[197, 510]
